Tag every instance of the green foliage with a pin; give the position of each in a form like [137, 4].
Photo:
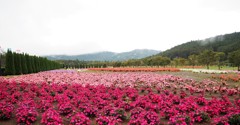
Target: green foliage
[234, 120]
[207, 57]
[224, 43]
[220, 59]
[29, 63]
[117, 64]
[178, 61]
[156, 61]
[24, 64]
[193, 60]
[17, 63]
[184, 50]
[36, 63]
[163, 61]
[9, 68]
[2, 60]
[104, 65]
[33, 64]
[234, 58]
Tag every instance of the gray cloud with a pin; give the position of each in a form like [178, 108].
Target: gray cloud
[46, 27]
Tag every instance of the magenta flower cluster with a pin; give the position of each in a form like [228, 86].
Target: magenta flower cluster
[6, 110]
[51, 117]
[80, 119]
[26, 113]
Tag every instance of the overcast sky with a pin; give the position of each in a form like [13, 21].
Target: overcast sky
[45, 27]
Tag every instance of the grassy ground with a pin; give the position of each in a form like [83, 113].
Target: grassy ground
[190, 75]
[198, 76]
[223, 68]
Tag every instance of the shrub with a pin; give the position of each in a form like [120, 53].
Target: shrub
[201, 117]
[119, 113]
[26, 115]
[65, 108]
[44, 105]
[234, 119]
[6, 110]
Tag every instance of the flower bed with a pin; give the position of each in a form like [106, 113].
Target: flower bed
[192, 67]
[205, 71]
[135, 69]
[60, 97]
[228, 77]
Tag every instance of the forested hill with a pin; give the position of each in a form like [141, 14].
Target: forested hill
[107, 56]
[222, 43]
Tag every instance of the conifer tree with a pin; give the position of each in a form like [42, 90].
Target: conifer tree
[33, 64]
[9, 68]
[36, 61]
[29, 63]
[17, 63]
[24, 64]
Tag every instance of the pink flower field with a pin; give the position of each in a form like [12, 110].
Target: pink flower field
[68, 97]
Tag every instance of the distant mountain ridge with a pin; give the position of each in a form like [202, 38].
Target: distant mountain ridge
[107, 56]
[221, 43]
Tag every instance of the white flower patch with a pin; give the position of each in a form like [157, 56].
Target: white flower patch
[205, 71]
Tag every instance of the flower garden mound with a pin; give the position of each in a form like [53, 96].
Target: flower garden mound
[136, 69]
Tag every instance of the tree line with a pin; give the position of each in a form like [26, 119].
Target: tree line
[84, 64]
[22, 63]
[204, 58]
[210, 57]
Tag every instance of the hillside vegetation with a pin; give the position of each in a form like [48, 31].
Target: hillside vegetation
[223, 43]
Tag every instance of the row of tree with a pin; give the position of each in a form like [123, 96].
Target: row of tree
[209, 57]
[84, 64]
[206, 57]
[20, 63]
